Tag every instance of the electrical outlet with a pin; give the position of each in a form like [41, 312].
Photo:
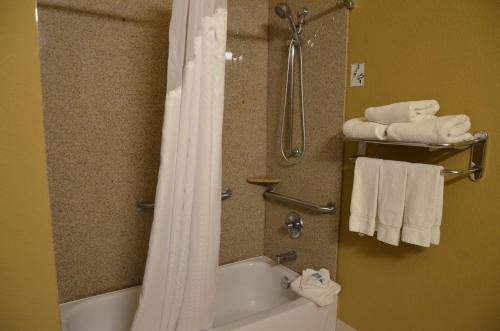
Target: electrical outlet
[357, 74]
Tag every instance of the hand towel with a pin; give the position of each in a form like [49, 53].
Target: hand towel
[401, 112]
[391, 201]
[316, 286]
[364, 195]
[423, 205]
[445, 129]
[360, 128]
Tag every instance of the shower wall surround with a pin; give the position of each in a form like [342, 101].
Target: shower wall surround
[103, 83]
[103, 80]
[245, 130]
[318, 177]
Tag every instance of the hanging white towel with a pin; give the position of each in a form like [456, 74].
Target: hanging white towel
[364, 195]
[360, 128]
[401, 112]
[391, 201]
[423, 205]
[445, 129]
[316, 286]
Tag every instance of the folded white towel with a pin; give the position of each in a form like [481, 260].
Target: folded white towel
[316, 286]
[446, 129]
[360, 128]
[391, 201]
[423, 205]
[401, 112]
[364, 195]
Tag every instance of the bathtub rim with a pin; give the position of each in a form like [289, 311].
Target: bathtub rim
[295, 304]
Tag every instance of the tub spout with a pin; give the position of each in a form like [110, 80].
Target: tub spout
[285, 257]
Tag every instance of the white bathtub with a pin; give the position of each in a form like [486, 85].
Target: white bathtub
[249, 298]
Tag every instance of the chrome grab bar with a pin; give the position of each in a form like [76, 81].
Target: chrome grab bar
[226, 194]
[330, 207]
[444, 172]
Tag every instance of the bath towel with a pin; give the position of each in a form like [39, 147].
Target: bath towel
[364, 195]
[423, 205]
[316, 286]
[360, 128]
[402, 112]
[445, 129]
[391, 201]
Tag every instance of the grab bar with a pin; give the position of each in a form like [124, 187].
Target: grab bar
[330, 207]
[226, 194]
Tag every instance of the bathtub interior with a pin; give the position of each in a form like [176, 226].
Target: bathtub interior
[250, 287]
[112, 311]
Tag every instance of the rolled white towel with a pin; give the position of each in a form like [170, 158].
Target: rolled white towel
[402, 112]
[445, 129]
[316, 286]
[360, 128]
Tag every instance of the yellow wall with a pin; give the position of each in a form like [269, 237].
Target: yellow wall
[28, 297]
[448, 50]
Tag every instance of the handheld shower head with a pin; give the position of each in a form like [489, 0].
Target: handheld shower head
[283, 11]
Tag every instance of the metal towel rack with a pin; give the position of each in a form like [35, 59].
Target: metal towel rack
[477, 147]
[329, 208]
[141, 205]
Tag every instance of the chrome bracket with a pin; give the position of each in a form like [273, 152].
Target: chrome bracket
[478, 156]
[349, 4]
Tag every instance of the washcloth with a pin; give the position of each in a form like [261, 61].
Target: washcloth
[402, 112]
[360, 128]
[423, 205]
[391, 201]
[445, 129]
[364, 195]
[316, 286]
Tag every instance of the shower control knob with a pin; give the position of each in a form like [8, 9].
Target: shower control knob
[294, 225]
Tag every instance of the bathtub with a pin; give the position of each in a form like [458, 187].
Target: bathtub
[249, 298]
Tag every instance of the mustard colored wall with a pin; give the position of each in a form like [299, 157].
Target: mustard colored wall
[28, 297]
[448, 50]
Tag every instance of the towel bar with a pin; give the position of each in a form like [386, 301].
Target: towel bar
[141, 205]
[477, 148]
[444, 172]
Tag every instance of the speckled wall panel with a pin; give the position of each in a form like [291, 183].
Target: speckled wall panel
[318, 177]
[103, 81]
[245, 131]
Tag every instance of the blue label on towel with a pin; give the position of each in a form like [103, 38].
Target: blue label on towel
[319, 277]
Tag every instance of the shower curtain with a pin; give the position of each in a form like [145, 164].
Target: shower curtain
[179, 283]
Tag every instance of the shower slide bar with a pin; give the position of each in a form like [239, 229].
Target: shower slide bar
[329, 208]
[141, 205]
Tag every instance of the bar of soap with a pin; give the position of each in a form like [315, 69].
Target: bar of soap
[263, 180]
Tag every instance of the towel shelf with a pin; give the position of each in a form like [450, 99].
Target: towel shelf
[477, 147]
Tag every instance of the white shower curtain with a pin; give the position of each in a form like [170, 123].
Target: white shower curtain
[179, 284]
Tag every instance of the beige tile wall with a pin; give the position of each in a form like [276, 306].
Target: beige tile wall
[245, 130]
[103, 78]
[318, 177]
